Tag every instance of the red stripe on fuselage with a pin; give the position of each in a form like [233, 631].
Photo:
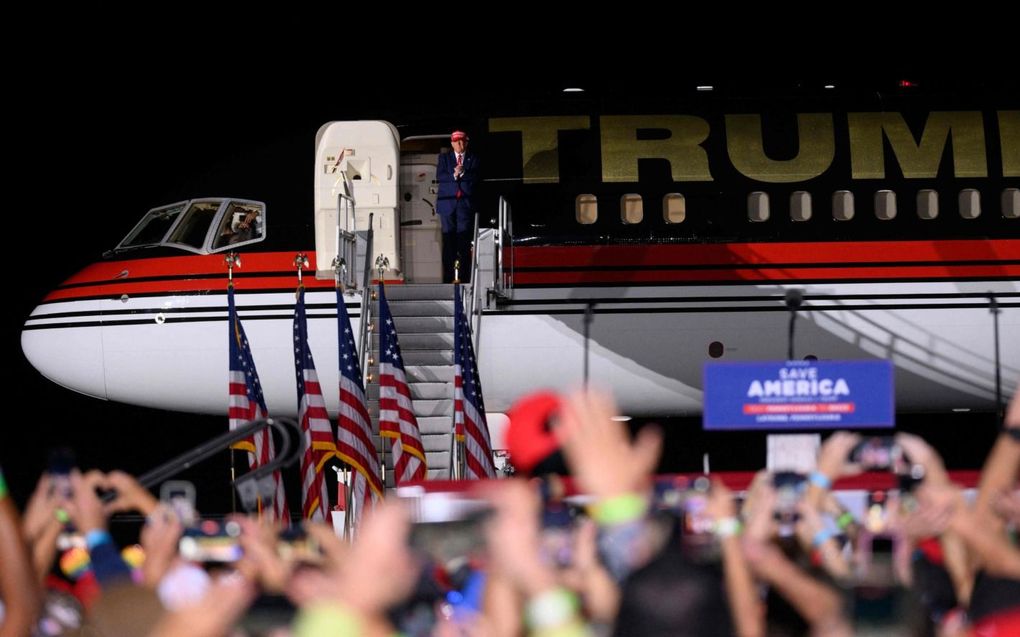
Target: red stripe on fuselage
[188, 274]
[722, 254]
[595, 264]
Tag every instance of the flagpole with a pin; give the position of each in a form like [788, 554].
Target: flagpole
[381, 262]
[232, 259]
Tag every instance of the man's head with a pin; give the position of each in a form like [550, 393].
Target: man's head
[459, 141]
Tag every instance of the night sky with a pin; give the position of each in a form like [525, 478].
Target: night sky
[120, 119]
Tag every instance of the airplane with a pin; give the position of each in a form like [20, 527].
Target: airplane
[673, 225]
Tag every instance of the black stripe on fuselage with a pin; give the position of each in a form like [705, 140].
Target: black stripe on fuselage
[196, 310]
[776, 282]
[177, 277]
[563, 312]
[206, 293]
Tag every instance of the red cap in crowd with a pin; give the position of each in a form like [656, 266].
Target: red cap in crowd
[529, 438]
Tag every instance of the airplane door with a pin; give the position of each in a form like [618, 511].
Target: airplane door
[420, 234]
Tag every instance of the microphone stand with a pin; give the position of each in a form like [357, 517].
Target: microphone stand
[794, 299]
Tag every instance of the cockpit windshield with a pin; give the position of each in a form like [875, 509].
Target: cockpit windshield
[192, 229]
[153, 226]
[199, 225]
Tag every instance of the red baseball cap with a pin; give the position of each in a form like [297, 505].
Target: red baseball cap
[458, 135]
[529, 438]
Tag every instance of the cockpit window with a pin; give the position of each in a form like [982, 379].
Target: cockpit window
[241, 223]
[153, 226]
[201, 225]
[193, 228]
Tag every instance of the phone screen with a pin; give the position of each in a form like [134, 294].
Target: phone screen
[878, 454]
[789, 487]
[876, 515]
[211, 541]
[61, 462]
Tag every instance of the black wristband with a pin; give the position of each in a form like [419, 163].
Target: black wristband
[1012, 432]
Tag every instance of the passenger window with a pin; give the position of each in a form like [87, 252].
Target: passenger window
[1011, 203]
[758, 207]
[970, 203]
[885, 205]
[800, 206]
[927, 204]
[674, 208]
[586, 209]
[632, 209]
[842, 205]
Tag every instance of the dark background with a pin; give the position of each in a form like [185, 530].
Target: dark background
[111, 113]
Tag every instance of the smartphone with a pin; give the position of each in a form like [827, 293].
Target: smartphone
[878, 453]
[908, 483]
[179, 497]
[789, 486]
[695, 508]
[294, 545]
[876, 512]
[61, 463]
[211, 541]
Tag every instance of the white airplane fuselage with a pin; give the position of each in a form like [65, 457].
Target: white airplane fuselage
[148, 328]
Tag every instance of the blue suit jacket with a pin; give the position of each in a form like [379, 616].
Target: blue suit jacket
[447, 202]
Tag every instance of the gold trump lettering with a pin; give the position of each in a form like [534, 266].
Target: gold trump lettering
[540, 153]
[682, 148]
[817, 148]
[917, 160]
[1009, 142]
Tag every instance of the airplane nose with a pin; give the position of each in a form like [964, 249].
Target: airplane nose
[67, 350]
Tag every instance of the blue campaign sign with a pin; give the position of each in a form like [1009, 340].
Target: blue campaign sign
[799, 395]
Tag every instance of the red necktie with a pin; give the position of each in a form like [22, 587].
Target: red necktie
[460, 162]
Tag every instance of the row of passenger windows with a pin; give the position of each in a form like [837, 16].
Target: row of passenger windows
[674, 206]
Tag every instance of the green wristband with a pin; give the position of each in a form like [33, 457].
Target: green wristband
[324, 619]
[556, 607]
[619, 509]
[3, 486]
[845, 520]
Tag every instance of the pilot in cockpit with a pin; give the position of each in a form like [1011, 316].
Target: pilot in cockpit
[242, 225]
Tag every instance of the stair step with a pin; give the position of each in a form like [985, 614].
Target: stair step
[418, 373]
[436, 442]
[419, 390]
[422, 408]
[417, 291]
[417, 308]
[427, 357]
[419, 342]
[423, 324]
[434, 425]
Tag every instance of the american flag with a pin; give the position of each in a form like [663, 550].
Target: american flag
[396, 415]
[248, 404]
[316, 430]
[354, 441]
[468, 407]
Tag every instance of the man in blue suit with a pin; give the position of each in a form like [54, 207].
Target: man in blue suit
[457, 174]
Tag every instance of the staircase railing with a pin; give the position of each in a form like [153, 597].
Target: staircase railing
[366, 303]
[252, 485]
